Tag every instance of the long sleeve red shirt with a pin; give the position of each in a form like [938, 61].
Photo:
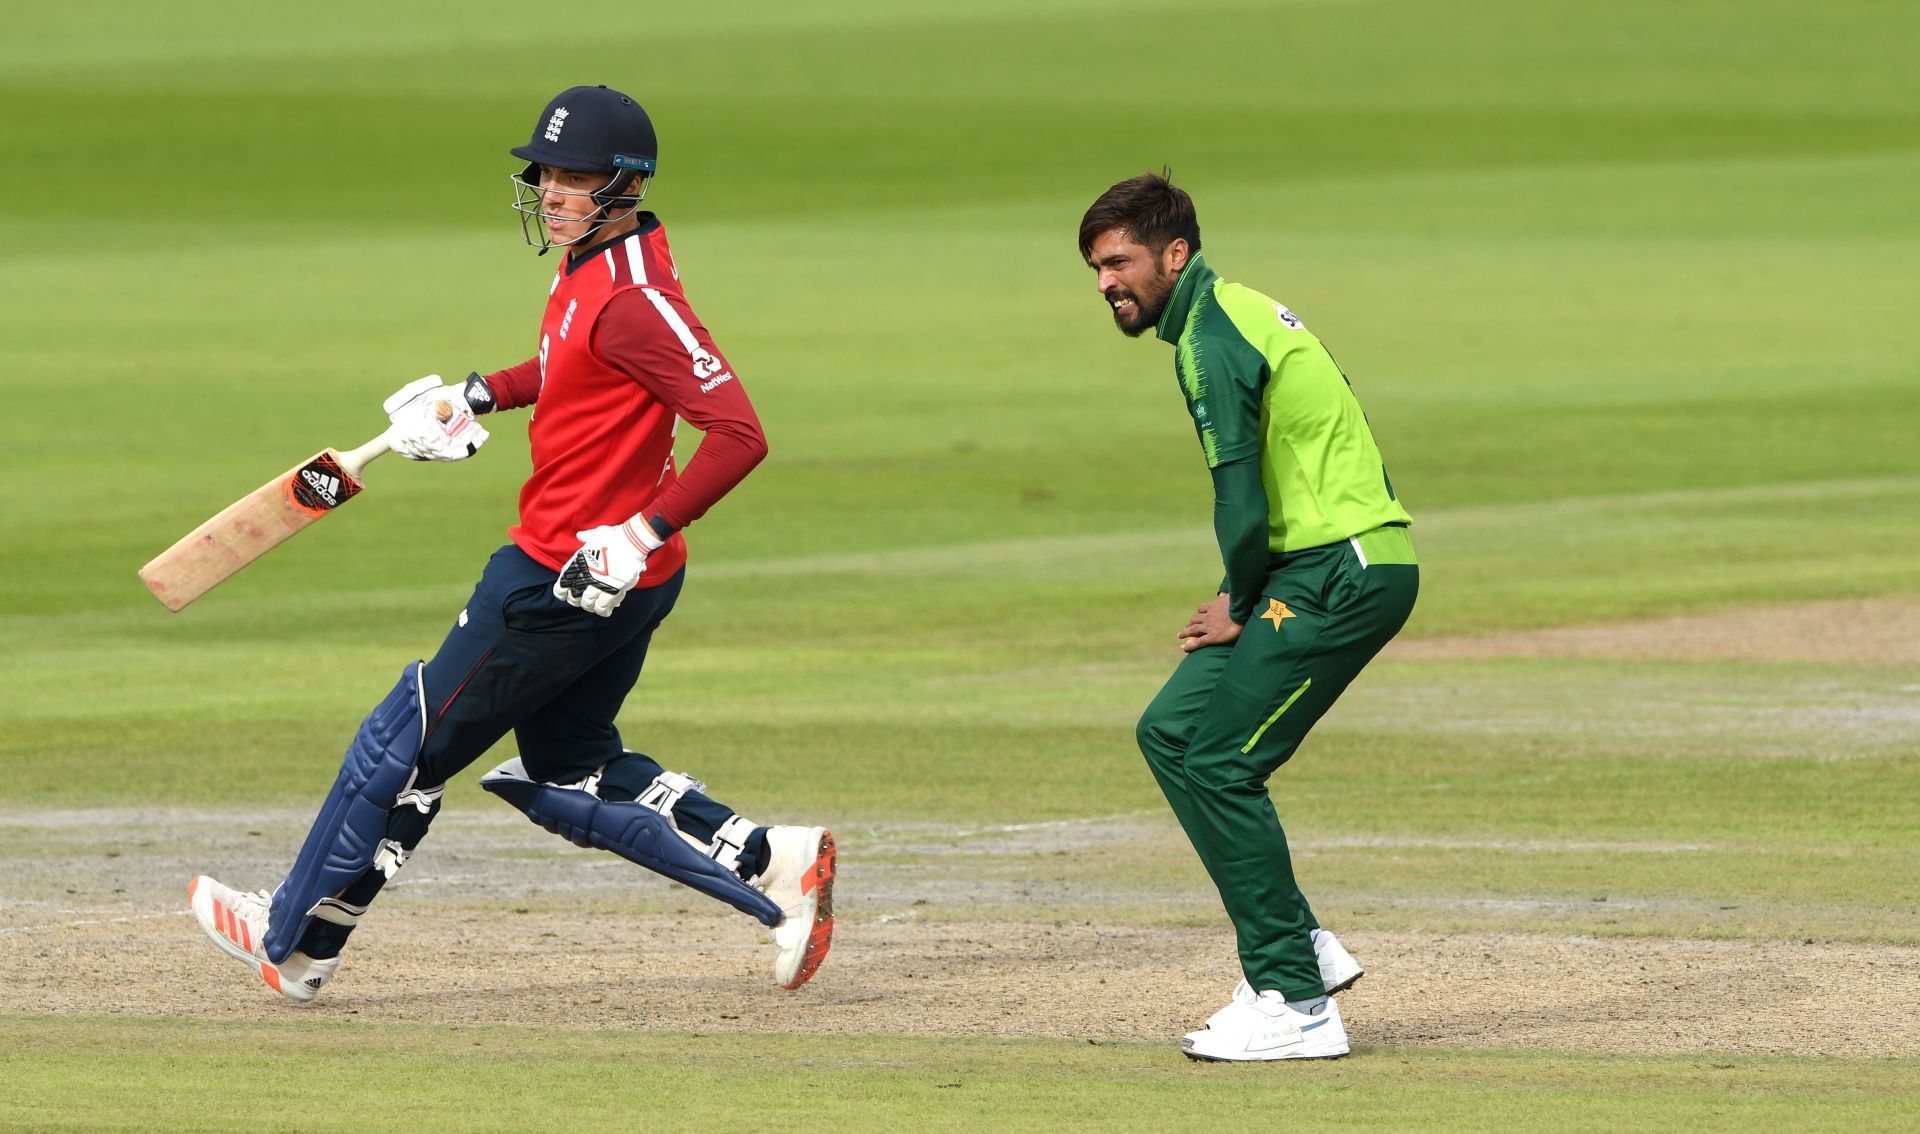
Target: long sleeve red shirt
[597, 448]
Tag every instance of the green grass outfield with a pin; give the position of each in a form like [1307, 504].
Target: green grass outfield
[401, 1079]
[1627, 291]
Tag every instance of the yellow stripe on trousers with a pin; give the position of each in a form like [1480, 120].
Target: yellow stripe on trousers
[1284, 706]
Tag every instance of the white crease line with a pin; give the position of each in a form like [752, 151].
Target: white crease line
[91, 921]
[1525, 846]
[1017, 828]
[919, 836]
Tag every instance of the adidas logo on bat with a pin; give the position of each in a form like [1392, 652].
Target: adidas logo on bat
[320, 485]
[326, 487]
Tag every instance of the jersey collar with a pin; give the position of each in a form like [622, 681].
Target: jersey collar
[648, 222]
[1192, 279]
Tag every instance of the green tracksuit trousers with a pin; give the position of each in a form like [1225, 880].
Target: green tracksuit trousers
[1231, 715]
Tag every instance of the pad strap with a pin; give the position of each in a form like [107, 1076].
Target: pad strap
[338, 912]
[730, 840]
[392, 854]
[665, 791]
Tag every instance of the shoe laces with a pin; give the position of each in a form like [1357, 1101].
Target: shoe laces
[252, 906]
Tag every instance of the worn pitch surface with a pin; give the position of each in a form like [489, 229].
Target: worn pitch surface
[500, 924]
[942, 930]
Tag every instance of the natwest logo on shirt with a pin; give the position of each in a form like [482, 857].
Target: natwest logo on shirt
[704, 364]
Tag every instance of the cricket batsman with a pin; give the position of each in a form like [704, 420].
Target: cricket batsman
[556, 631]
[1320, 574]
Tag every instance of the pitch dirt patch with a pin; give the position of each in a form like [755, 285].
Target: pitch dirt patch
[503, 925]
[1878, 631]
[704, 973]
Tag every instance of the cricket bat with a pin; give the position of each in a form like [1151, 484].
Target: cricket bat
[261, 521]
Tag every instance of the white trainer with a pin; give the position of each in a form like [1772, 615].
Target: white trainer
[1264, 1027]
[1338, 969]
[1242, 995]
[237, 922]
[799, 879]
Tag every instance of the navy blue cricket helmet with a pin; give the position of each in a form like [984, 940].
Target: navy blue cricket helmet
[594, 130]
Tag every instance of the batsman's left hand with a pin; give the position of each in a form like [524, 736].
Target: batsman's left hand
[607, 566]
[433, 422]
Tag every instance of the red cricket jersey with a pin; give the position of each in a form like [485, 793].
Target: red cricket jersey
[621, 359]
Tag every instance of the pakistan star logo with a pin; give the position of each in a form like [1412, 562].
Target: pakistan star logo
[1278, 612]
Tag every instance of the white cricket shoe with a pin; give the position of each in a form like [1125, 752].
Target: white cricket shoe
[799, 879]
[1263, 1027]
[1338, 969]
[1242, 995]
[237, 922]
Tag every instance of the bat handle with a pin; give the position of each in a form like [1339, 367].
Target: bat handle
[354, 461]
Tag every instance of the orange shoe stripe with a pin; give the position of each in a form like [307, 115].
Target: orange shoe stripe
[820, 938]
[822, 867]
[271, 975]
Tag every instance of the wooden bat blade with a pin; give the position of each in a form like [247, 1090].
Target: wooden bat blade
[249, 528]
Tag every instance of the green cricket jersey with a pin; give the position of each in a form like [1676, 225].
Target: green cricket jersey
[1258, 383]
[1320, 573]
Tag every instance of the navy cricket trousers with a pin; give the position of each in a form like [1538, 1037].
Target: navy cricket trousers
[518, 659]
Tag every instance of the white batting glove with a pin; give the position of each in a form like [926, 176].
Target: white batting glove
[433, 422]
[607, 565]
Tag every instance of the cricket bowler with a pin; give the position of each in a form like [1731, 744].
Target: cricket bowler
[1320, 574]
[555, 633]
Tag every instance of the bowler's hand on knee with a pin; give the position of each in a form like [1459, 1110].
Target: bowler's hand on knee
[1210, 626]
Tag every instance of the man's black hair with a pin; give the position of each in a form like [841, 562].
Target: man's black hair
[1150, 206]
